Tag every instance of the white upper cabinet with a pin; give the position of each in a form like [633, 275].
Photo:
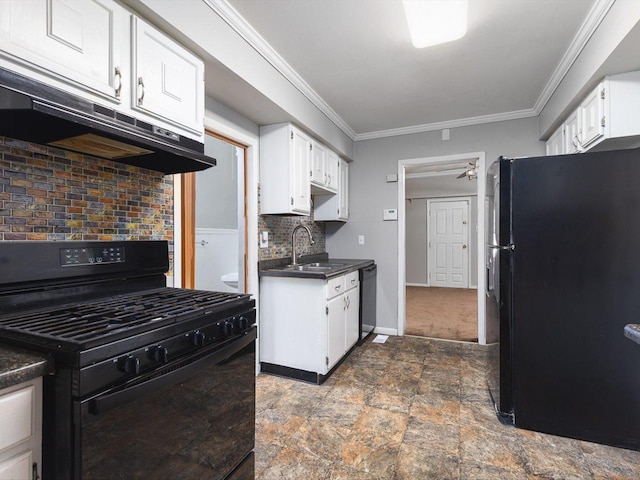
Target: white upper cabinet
[100, 51]
[324, 170]
[168, 80]
[572, 133]
[608, 118]
[285, 153]
[332, 166]
[591, 114]
[334, 207]
[318, 158]
[555, 144]
[76, 42]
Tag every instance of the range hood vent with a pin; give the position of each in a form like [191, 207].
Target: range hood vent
[38, 113]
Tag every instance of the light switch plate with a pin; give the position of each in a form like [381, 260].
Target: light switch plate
[360, 239]
[390, 214]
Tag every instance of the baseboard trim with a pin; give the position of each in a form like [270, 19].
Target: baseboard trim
[417, 284]
[386, 331]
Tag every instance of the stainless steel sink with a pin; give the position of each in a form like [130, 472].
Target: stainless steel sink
[327, 264]
[313, 267]
[310, 268]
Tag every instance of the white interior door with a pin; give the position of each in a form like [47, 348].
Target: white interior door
[448, 248]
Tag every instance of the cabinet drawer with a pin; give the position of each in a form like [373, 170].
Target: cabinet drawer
[15, 417]
[351, 280]
[335, 287]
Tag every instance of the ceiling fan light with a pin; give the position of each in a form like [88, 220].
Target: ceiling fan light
[432, 22]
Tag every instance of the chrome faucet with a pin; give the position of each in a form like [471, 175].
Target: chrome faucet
[294, 260]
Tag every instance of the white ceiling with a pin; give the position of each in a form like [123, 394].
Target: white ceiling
[356, 55]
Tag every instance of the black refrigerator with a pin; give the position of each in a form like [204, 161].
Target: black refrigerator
[563, 279]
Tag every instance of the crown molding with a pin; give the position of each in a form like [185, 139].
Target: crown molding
[253, 38]
[591, 22]
[231, 16]
[463, 122]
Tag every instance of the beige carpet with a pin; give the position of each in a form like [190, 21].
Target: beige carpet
[448, 313]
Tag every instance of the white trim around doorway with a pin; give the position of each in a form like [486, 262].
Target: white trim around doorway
[441, 160]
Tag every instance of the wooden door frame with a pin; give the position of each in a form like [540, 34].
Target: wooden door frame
[188, 212]
[468, 253]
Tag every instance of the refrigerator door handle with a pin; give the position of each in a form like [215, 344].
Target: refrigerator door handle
[503, 247]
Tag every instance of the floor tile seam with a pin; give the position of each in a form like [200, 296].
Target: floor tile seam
[268, 466]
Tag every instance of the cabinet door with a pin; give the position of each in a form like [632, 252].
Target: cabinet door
[81, 43]
[555, 144]
[572, 134]
[300, 189]
[318, 157]
[352, 318]
[18, 467]
[343, 193]
[335, 330]
[591, 114]
[332, 168]
[168, 79]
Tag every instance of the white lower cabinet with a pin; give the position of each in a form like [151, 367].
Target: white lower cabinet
[21, 431]
[308, 324]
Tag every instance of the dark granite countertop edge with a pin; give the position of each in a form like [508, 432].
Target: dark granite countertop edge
[266, 267]
[18, 365]
[632, 332]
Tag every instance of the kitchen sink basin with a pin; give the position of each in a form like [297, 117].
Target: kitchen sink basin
[313, 267]
[310, 268]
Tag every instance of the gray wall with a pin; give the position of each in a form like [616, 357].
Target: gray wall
[217, 187]
[416, 241]
[369, 193]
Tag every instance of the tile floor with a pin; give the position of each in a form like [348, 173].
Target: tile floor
[411, 409]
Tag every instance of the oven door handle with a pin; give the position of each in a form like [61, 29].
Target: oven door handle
[108, 401]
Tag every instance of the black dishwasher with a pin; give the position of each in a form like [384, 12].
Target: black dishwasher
[367, 301]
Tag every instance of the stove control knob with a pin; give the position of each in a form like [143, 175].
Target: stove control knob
[129, 364]
[227, 327]
[242, 322]
[198, 338]
[160, 354]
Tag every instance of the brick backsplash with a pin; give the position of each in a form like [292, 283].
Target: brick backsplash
[280, 228]
[51, 194]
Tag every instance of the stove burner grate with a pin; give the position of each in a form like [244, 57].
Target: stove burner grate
[109, 318]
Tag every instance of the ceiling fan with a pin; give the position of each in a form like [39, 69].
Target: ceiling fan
[471, 172]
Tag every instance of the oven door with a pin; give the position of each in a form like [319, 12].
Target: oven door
[191, 419]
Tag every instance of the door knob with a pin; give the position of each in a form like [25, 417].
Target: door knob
[464, 245]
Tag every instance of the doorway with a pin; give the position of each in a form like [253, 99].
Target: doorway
[442, 272]
[214, 238]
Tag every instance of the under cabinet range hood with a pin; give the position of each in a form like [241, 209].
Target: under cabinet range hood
[35, 112]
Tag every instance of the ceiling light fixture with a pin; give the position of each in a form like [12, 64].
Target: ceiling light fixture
[432, 22]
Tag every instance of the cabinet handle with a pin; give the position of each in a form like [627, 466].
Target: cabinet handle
[353, 280]
[338, 288]
[576, 142]
[118, 74]
[141, 84]
[345, 303]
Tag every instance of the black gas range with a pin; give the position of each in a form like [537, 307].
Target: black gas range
[150, 381]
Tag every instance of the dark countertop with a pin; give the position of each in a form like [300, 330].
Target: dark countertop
[18, 365]
[632, 331]
[273, 268]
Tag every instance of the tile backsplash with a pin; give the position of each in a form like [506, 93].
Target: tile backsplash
[51, 194]
[280, 228]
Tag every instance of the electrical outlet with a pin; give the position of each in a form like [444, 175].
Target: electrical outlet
[264, 239]
[360, 239]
